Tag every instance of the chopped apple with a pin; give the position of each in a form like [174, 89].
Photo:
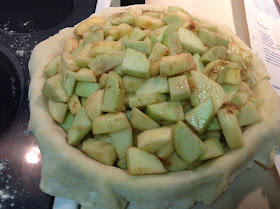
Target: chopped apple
[120, 30]
[122, 140]
[187, 145]
[136, 64]
[157, 34]
[200, 66]
[200, 117]
[93, 104]
[153, 85]
[69, 82]
[102, 47]
[155, 69]
[52, 67]
[213, 134]
[70, 45]
[81, 55]
[230, 90]
[103, 80]
[248, 115]
[214, 149]
[165, 151]
[173, 65]
[179, 88]
[93, 36]
[141, 101]
[148, 22]
[80, 128]
[166, 113]
[122, 163]
[240, 98]
[159, 51]
[214, 53]
[256, 101]
[132, 83]
[175, 163]
[114, 93]
[84, 89]
[100, 151]
[54, 89]
[171, 40]
[212, 39]
[57, 110]
[191, 42]
[85, 26]
[67, 63]
[214, 124]
[176, 18]
[137, 34]
[74, 104]
[140, 46]
[109, 123]
[233, 76]
[231, 128]
[85, 74]
[68, 120]
[140, 121]
[104, 62]
[153, 139]
[141, 162]
[206, 87]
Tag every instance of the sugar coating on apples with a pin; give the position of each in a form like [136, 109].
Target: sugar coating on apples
[151, 93]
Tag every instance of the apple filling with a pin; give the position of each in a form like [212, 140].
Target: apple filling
[152, 93]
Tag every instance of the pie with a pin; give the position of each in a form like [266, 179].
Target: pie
[69, 173]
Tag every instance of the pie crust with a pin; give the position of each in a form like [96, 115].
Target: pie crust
[69, 173]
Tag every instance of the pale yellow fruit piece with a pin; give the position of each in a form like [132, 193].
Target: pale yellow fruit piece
[85, 26]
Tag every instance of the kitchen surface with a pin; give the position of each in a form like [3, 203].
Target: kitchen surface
[23, 24]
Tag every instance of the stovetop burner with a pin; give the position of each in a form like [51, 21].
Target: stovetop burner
[31, 16]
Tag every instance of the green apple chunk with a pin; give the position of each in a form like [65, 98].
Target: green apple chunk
[54, 89]
[140, 162]
[122, 163]
[137, 34]
[148, 22]
[214, 149]
[140, 46]
[157, 34]
[102, 47]
[200, 66]
[200, 117]
[67, 63]
[69, 82]
[153, 139]
[213, 134]
[103, 80]
[171, 40]
[85, 26]
[110, 38]
[132, 83]
[165, 151]
[81, 54]
[93, 104]
[155, 68]
[166, 113]
[100, 151]
[214, 53]
[190, 41]
[104, 62]
[140, 121]
[85, 74]
[113, 99]
[109, 123]
[154, 85]
[179, 88]
[248, 115]
[176, 64]
[52, 67]
[122, 140]
[231, 128]
[230, 90]
[141, 101]
[120, 31]
[174, 163]
[211, 39]
[176, 18]
[159, 51]
[74, 104]
[123, 17]
[80, 128]
[84, 89]
[136, 64]
[83, 101]
[206, 87]
[240, 98]
[57, 110]
[103, 137]
[233, 76]
[214, 125]
[95, 28]
[187, 145]
[93, 36]
[68, 120]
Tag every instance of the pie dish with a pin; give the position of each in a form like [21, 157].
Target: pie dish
[68, 173]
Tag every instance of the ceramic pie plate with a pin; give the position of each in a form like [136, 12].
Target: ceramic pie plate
[67, 172]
